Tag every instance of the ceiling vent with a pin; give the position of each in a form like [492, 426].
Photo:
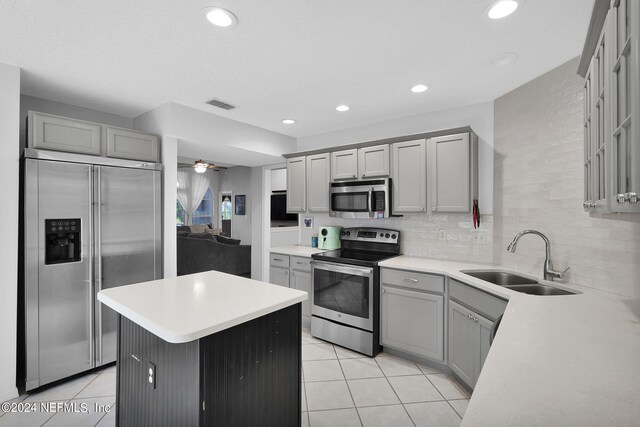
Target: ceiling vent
[220, 104]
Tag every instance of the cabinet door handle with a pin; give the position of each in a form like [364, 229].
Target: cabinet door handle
[409, 279]
[354, 175]
[286, 272]
[434, 209]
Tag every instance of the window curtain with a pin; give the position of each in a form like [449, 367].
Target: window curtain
[192, 187]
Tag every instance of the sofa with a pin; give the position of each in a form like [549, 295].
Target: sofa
[198, 252]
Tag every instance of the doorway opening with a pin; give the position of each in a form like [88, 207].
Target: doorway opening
[226, 213]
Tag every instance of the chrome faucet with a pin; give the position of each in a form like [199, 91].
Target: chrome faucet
[549, 272]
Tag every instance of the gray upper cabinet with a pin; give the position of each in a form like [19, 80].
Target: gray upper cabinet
[51, 132]
[452, 163]
[609, 63]
[409, 176]
[624, 80]
[344, 164]
[318, 178]
[373, 161]
[296, 184]
[128, 144]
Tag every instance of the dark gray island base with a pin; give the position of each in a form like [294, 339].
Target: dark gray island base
[247, 375]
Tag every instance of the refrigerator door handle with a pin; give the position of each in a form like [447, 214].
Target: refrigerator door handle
[98, 262]
[90, 282]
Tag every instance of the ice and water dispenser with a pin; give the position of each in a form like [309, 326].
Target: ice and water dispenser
[62, 240]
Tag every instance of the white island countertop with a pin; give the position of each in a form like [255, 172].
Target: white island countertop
[186, 308]
[296, 250]
[557, 360]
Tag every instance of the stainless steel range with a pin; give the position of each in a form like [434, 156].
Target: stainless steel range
[345, 297]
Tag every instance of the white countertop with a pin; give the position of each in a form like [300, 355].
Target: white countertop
[296, 250]
[557, 360]
[186, 308]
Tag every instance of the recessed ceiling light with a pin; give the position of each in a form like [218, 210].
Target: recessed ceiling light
[220, 17]
[419, 88]
[288, 121]
[504, 59]
[342, 108]
[502, 8]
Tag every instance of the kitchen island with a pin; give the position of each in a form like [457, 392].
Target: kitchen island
[207, 349]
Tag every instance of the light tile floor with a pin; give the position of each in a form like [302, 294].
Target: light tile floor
[340, 388]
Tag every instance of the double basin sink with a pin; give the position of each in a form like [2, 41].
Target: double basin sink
[515, 282]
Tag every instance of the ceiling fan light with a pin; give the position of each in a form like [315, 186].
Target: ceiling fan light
[201, 167]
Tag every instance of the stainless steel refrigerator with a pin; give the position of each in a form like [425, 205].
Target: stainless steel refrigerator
[90, 223]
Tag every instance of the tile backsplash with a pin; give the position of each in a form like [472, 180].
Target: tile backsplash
[420, 234]
[538, 184]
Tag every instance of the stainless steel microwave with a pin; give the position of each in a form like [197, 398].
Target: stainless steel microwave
[361, 199]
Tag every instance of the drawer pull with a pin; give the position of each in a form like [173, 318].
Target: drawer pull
[301, 263]
[278, 259]
[409, 279]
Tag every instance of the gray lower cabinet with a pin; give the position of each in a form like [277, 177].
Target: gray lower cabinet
[279, 276]
[413, 322]
[296, 184]
[472, 313]
[50, 132]
[409, 176]
[292, 272]
[301, 280]
[129, 144]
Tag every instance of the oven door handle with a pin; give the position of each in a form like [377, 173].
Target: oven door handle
[340, 268]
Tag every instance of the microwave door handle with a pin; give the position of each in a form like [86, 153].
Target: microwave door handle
[371, 199]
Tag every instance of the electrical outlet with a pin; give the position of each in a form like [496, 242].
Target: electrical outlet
[478, 237]
[442, 234]
[151, 374]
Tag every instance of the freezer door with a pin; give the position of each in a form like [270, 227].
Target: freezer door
[58, 291]
[128, 240]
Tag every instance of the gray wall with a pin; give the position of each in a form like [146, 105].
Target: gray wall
[237, 180]
[539, 184]
[9, 155]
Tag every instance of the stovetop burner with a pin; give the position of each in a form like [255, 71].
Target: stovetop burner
[364, 247]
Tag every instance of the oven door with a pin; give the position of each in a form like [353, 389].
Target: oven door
[343, 293]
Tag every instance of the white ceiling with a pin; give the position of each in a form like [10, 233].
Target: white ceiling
[286, 58]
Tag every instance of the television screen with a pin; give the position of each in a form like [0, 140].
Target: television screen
[279, 208]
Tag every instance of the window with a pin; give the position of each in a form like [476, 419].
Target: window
[204, 213]
[180, 214]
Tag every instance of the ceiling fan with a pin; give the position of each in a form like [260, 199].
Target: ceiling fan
[200, 166]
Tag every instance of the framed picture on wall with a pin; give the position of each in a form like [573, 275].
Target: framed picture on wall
[241, 204]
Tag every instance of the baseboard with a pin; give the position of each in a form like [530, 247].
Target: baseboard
[6, 395]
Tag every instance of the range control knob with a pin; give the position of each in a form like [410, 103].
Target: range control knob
[348, 233]
[381, 234]
[386, 235]
[393, 236]
[343, 233]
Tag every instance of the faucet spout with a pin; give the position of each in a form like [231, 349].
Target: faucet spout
[549, 272]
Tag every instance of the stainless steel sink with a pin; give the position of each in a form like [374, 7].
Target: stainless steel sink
[515, 282]
[500, 278]
[539, 289]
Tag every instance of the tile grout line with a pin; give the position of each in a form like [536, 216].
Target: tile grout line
[394, 390]
[348, 388]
